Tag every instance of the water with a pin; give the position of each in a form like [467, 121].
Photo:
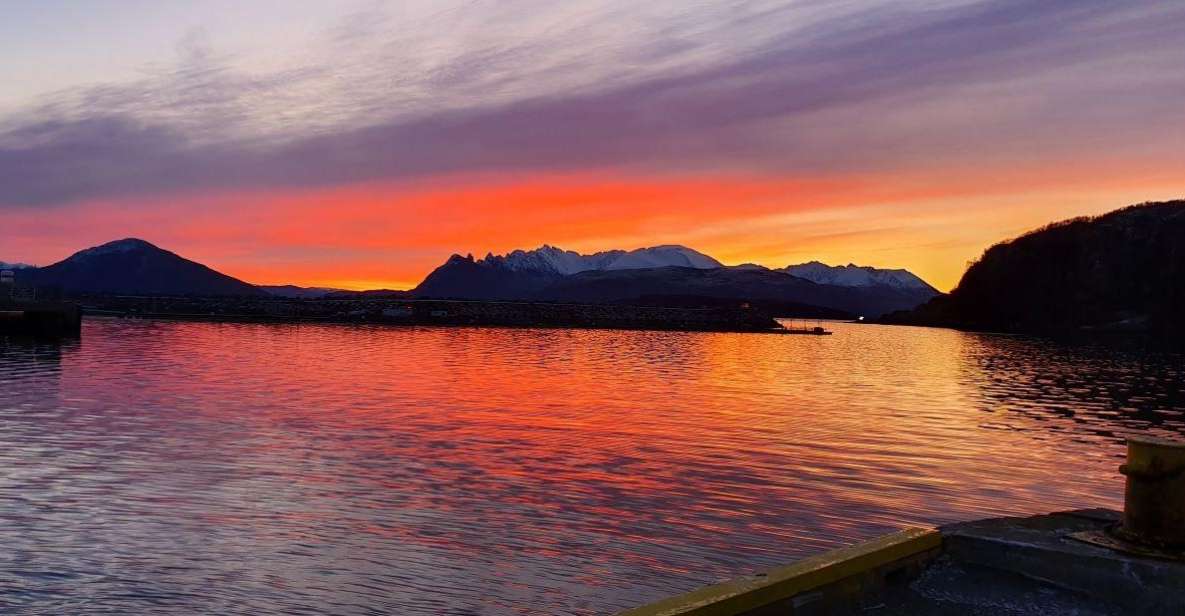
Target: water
[226, 468]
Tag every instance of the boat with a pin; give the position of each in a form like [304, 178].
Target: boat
[809, 330]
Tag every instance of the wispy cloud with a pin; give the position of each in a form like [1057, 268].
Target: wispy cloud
[758, 86]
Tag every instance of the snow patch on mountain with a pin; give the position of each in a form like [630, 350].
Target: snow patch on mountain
[130, 244]
[15, 266]
[851, 275]
[663, 256]
[550, 259]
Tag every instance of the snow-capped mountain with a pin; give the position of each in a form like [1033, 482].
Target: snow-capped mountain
[124, 246]
[549, 259]
[663, 256]
[851, 275]
[14, 266]
[652, 276]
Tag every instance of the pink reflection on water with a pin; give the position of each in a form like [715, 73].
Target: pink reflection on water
[555, 470]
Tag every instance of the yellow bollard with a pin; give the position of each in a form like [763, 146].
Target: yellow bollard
[1154, 499]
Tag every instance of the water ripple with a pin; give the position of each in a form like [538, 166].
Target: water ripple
[239, 469]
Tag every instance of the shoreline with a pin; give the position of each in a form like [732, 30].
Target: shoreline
[442, 313]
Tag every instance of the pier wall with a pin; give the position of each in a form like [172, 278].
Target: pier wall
[835, 582]
[1059, 563]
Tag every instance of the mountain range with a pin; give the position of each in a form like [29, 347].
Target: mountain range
[659, 275]
[552, 260]
[1120, 271]
[857, 276]
[552, 274]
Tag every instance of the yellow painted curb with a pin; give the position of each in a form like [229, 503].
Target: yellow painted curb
[748, 593]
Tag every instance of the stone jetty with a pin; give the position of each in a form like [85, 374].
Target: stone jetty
[438, 312]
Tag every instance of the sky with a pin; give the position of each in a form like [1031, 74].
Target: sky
[357, 144]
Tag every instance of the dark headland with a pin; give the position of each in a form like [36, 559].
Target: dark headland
[1120, 273]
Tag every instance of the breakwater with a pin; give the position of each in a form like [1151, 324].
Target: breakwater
[26, 312]
[439, 312]
[41, 320]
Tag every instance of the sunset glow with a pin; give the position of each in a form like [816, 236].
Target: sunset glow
[809, 134]
[391, 235]
[526, 307]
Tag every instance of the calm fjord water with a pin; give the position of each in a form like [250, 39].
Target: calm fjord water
[228, 468]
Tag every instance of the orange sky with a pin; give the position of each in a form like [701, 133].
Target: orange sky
[389, 235]
[360, 147]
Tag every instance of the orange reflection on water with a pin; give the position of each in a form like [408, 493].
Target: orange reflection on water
[570, 471]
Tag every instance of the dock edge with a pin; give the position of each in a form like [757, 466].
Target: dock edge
[835, 576]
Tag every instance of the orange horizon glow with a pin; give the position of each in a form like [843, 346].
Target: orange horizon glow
[390, 235]
[913, 136]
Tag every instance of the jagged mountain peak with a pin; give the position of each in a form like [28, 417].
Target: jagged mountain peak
[665, 255]
[556, 260]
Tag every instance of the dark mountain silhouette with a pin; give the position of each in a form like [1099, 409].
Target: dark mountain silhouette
[467, 278]
[370, 294]
[743, 284]
[464, 278]
[135, 267]
[292, 291]
[657, 276]
[1120, 271]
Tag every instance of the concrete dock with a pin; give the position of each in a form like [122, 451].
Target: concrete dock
[1088, 562]
[1035, 565]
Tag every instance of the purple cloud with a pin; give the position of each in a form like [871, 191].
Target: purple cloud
[886, 88]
